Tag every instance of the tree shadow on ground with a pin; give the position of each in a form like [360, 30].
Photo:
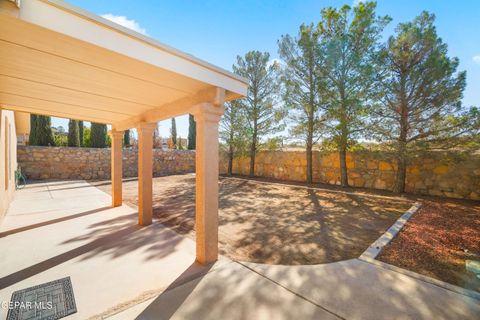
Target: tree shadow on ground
[121, 235]
[278, 224]
[348, 290]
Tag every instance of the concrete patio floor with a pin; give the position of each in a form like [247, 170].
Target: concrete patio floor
[67, 228]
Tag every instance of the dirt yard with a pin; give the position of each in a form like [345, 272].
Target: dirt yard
[277, 223]
[437, 240]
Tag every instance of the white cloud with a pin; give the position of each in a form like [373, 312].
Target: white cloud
[476, 59]
[124, 21]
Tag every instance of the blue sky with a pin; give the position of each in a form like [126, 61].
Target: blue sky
[218, 30]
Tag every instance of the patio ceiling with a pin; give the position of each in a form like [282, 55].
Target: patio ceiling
[61, 61]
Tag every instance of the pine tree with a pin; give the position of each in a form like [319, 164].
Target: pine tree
[421, 93]
[73, 134]
[302, 83]
[350, 43]
[263, 117]
[232, 132]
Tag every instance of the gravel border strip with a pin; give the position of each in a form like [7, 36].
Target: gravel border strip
[375, 248]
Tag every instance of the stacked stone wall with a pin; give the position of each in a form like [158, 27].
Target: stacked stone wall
[93, 163]
[435, 173]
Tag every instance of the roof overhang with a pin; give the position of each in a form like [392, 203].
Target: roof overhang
[62, 61]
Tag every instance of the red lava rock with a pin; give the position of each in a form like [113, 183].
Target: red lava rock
[437, 240]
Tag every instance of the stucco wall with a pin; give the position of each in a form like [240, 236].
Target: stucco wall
[8, 159]
[93, 163]
[435, 173]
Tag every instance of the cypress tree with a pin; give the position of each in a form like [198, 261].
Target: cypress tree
[33, 130]
[173, 132]
[180, 147]
[73, 134]
[41, 131]
[192, 133]
[80, 133]
[126, 138]
[98, 135]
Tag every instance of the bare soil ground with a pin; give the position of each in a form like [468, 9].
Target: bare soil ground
[277, 223]
[437, 240]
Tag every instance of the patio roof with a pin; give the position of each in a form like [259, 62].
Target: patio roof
[59, 60]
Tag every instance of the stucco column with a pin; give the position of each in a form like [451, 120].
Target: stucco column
[207, 117]
[145, 172]
[116, 167]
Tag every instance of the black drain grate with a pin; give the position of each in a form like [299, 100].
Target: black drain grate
[52, 300]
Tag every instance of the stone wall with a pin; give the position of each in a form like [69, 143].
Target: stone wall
[92, 163]
[437, 174]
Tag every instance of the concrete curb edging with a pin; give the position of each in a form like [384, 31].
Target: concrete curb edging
[375, 248]
[421, 277]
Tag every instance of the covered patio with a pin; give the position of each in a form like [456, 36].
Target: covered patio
[58, 229]
[58, 60]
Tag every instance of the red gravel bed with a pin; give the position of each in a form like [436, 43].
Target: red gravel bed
[437, 240]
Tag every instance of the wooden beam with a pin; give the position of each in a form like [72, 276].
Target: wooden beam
[32, 108]
[215, 96]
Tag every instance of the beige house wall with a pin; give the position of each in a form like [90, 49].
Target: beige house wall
[8, 159]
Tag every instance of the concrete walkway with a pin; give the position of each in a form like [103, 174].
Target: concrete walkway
[119, 270]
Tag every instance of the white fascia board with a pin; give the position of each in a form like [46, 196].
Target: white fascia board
[63, 18]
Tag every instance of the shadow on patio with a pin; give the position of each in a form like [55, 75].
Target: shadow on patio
[109, 258]
[345, 290]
